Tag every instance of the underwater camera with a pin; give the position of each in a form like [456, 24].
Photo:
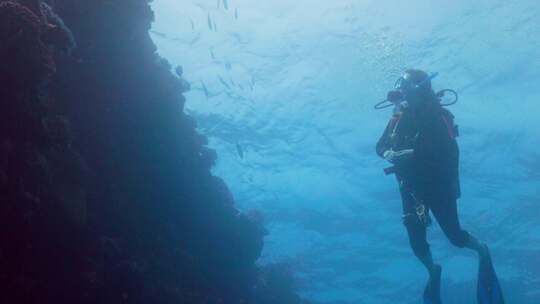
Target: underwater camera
[404, 87]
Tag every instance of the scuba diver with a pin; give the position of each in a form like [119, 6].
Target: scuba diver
[420, 143]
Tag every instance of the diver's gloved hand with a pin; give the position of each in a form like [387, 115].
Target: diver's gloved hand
[397, 156]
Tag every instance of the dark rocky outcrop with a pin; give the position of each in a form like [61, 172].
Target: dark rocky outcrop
[105, 186]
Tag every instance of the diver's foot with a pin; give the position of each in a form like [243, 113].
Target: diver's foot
[432, 292]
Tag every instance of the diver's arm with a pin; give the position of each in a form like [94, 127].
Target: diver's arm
[397, 156]
[385, 150]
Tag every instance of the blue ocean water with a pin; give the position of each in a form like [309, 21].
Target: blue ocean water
[284, 90]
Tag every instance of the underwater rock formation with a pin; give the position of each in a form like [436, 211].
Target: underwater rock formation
[43, 197]
[107, 194]
[22, 46]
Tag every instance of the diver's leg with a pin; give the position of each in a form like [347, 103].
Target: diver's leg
[416, 232]
[488, 288]
[445, 211]
[418, 241]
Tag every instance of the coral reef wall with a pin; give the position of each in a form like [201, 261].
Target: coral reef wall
[105, 186]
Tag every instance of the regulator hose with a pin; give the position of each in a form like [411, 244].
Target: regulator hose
[441, 94]
[383, 105]
[387, 103]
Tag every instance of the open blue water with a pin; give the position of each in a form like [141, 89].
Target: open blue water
[292, 84]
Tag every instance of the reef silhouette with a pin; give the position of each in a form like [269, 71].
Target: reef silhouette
[106, 194]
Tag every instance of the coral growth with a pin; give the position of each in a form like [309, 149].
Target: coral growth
[26, 58]
[56, 33]
[41, 177]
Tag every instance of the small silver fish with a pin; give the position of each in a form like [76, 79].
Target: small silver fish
[226, 4]
[179, 71]
[195, 39]
[159, 34]
[240, 151]
[223, 82]
[205, 90]
[209, 22]
[236, 13]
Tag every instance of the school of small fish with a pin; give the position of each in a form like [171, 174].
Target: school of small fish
[230, 87]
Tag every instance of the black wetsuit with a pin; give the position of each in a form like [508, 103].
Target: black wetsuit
[431, 175]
